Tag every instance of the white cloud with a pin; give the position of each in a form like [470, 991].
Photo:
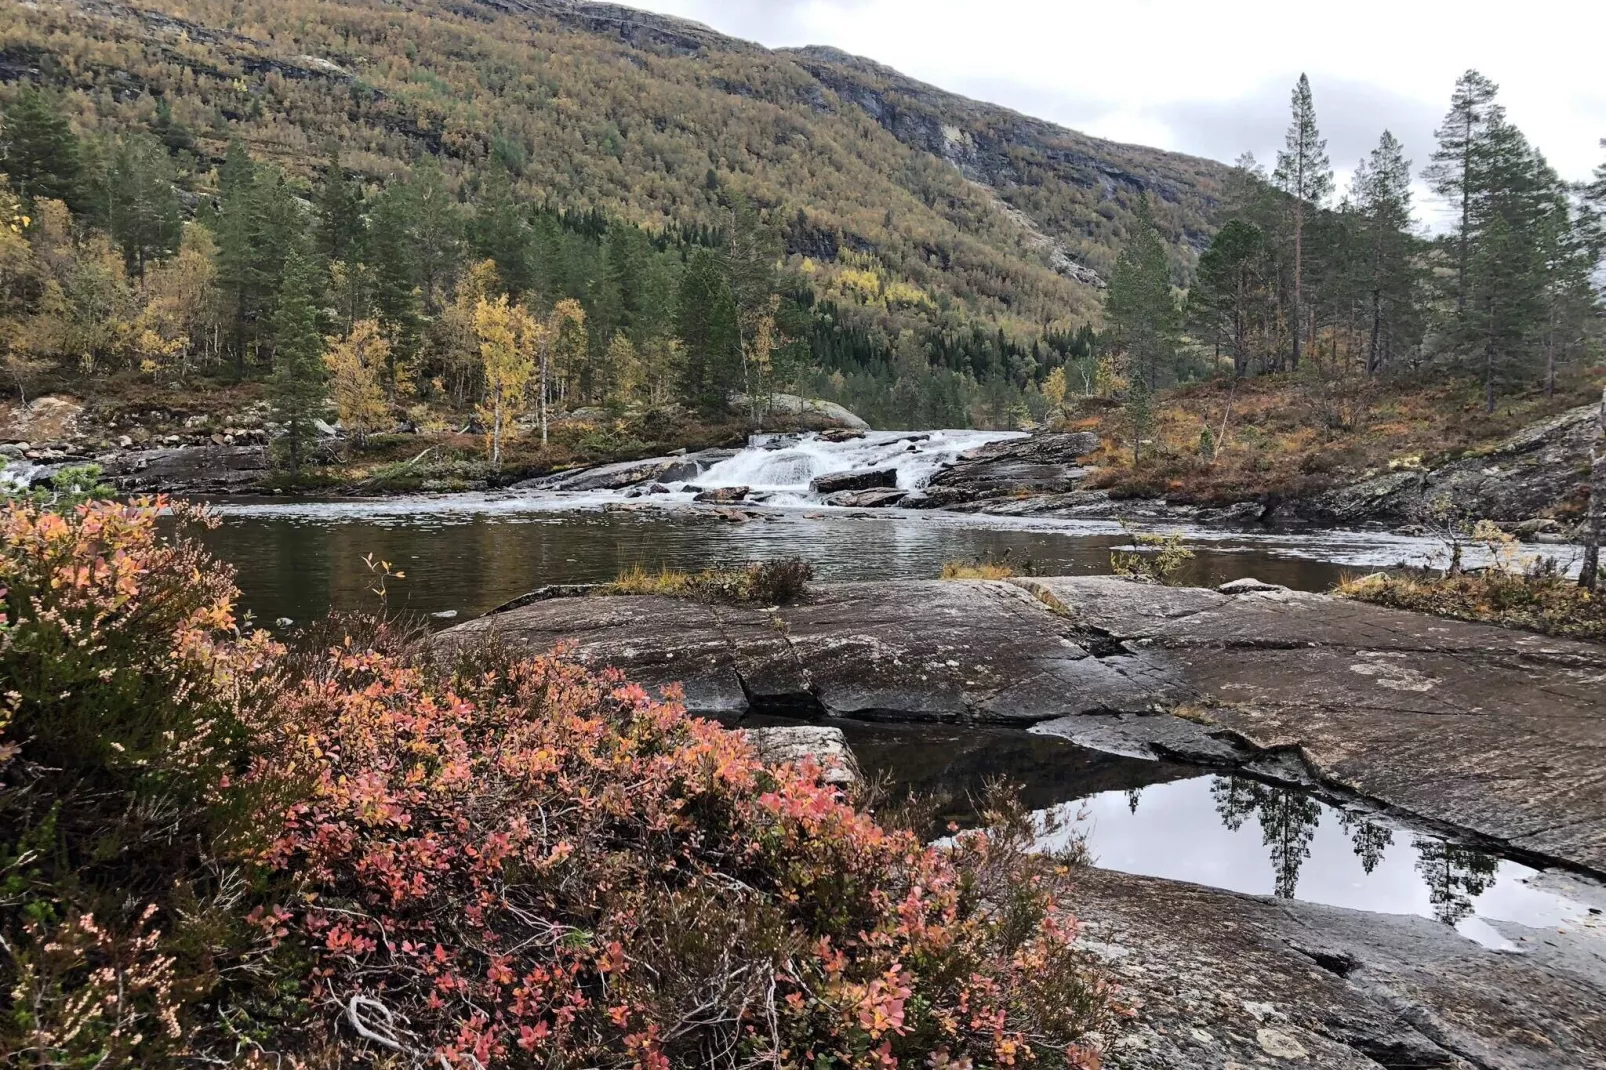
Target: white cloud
[1213, 79]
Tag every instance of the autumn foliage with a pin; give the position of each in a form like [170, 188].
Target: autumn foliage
[383, 854]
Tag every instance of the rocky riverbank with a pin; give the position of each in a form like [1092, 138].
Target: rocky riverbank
[1492, 736]
[1498, 733]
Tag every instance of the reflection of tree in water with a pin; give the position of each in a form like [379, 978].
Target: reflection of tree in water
[1455, 877]
[1370, 838]
[1287, 820]
[1133, 797]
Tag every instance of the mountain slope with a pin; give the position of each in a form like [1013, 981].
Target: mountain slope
[654, 119]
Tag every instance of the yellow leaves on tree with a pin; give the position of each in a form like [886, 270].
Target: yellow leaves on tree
[508, 338]
[564, 344]
[356, 366]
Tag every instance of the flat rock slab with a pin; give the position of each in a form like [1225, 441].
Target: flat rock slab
[1497, 732]
[1224, 980]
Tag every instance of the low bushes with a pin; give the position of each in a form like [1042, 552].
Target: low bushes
[212, 851]
[1539, 600]
[770, 583]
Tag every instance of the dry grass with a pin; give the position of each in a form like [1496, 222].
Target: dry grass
[770, 583]
[1538, 601]
[977, 570]
[1279, 440]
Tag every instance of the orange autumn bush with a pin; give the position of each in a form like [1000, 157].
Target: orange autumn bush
[515, 862]
[387, 854]
[125, 683]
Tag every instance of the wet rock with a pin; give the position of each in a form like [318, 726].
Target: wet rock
[868, 499]
[1249, 585]
[841, 434]
[1471, 726]
[1221, 979]
[846, 481]
[1023, 468]
[827, 747]
[723, 495]
[1533, 530]
[188, 469]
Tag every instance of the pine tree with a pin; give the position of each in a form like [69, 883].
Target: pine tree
[1454, 172]
[141, 202]
[340, 213]
[1305, 174]
[39, 151]
[707, 326]
[1382, 188]
[1230, 300]
[1142, 318]
[298, 368]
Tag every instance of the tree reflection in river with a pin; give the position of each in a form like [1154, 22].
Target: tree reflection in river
[1455, 877]
[1288, 821]
[1371, 839]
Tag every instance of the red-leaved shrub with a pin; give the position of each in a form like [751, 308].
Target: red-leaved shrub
[513, 862]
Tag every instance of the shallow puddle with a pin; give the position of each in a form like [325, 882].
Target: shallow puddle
[1166, 820]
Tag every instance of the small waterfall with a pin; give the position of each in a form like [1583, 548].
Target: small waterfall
[783, 465]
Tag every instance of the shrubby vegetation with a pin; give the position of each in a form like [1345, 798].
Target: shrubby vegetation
[769, 583]
[366, 852]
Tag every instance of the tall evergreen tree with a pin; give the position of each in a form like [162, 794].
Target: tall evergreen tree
[1454, 172]
[39, 151]
[1382, 189]
[141, 202]
[1142, 316]
[1305, 174]
[299, 373]
[1231, 299]
[706, 322]
[340, 213]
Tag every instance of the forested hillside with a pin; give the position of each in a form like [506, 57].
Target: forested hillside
[930, 255]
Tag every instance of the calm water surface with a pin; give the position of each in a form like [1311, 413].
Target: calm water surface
[470, 555]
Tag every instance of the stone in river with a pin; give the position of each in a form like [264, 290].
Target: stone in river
[842, 481]
[868, 499]
[723, 495]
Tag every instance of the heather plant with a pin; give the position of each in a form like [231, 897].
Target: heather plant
[382, 852]
[124, 681]
[509, 861]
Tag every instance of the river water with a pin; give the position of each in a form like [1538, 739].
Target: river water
[463, 555]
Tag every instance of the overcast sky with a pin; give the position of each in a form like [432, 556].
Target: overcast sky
[1213, 79]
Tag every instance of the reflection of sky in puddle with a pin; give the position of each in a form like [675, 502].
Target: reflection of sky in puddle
[1248, 837]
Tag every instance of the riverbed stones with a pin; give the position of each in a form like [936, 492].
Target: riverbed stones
[1499, 732]
[847, 481]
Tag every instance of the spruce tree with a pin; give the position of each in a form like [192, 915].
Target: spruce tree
[1382, 190]
[299, 373]
[141, 202]
[1230, 299]
[706, 323]
[1142, 317]
[340, 213]
[39, 151]
[1454, 172]
[1305, 174]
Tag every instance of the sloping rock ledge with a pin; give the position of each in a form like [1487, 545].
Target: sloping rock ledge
[1496, 732]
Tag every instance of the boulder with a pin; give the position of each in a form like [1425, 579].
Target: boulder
[1534, 470]
[866, 480]
[723, 495]
[808, 414]
[841, 434]
[1249, 585]
[44, 419]
[1019, 468]
[188, 469]
[868, 499]
[826, 747]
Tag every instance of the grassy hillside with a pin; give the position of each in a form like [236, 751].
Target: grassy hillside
[969, 207]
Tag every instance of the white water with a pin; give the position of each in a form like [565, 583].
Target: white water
[782, 466]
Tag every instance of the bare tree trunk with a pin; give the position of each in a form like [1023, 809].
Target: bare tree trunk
[496, 435]
[543, 394]
[1589, 576]
[1299, 276]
